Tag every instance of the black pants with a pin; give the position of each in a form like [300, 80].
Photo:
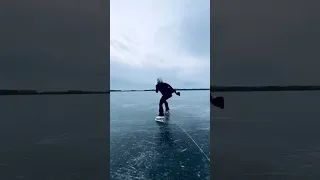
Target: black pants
[164, 99]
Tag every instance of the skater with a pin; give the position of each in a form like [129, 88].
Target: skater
[166, 91]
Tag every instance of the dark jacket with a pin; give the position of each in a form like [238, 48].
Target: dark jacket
[164, 88]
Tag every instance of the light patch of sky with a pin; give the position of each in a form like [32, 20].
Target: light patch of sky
[159, 38]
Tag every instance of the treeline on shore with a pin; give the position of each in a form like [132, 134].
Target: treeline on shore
[262, 88]
[212, 88]
[34, 92]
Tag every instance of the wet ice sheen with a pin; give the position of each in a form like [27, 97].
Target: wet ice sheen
[141, 148]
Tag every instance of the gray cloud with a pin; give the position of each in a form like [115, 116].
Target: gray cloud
[54, 45]
[170, 39]
[127, 77]
[265, 43]
[195, 33]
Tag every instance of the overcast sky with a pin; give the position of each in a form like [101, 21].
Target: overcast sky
[63, 44]
[159, 38]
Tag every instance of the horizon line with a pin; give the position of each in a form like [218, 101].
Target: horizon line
[211, 87]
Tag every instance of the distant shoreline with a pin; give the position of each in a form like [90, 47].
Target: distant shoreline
[212, 89]
[262, 88]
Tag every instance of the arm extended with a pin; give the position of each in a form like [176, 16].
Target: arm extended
[174, 91]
